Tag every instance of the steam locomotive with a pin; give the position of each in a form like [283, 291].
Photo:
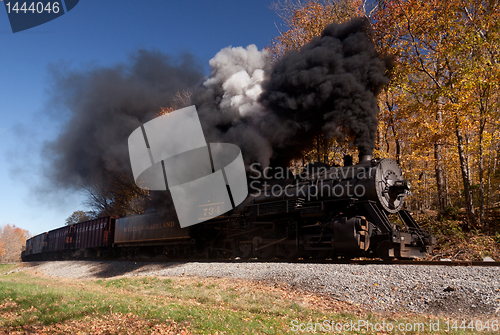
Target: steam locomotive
[349, 211]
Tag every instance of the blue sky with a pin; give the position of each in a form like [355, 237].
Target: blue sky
[97, 33]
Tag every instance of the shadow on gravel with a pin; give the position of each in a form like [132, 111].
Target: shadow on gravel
[456, 304]
[119, 268]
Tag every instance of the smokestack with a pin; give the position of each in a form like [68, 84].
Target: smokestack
[365, 157]
[347, 160]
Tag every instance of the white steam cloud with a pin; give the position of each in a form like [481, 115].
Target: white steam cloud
[239, 72]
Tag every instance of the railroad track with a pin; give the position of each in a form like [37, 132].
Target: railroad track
[358, 262]
[303, 261]
[408, 262]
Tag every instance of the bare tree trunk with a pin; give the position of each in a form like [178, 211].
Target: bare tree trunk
[439, 178]
[468, 158]
[495, 160]
[439, 168]
[428, 194]
[469, 206]
[482, 124]
[380, 138]
[388, 145]
[398, 145]
[447, 187]
[489, 180]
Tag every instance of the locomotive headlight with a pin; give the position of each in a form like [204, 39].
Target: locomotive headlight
[400, 186]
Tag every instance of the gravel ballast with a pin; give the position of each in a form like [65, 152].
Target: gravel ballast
[434, 290]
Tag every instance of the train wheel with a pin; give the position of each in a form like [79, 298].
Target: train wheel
[264, 253]
[288, 251]
[201, 250]
[244, 248]
[107, 254]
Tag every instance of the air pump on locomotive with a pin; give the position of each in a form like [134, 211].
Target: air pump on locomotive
[350, 211]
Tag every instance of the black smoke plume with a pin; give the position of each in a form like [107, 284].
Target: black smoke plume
[329, 87]
[271, 111]
[102, 107]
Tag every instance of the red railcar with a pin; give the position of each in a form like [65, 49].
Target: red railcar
[57, 239]
[96, 233]
[94, 237]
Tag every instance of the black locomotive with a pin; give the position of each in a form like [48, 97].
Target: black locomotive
[349, 211]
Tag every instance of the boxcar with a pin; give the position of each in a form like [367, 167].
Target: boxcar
[34, 247]
[92, 238]
[96, 233]
[57, 239]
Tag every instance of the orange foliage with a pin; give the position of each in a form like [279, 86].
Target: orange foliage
[12, 240]
[307, 21]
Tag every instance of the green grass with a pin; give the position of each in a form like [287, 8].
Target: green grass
[204, 306]
[4, 268]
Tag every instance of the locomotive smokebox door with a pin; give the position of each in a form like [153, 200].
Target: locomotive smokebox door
[391, 187]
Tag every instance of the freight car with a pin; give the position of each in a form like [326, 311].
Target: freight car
[87, 239]
[110, 238]
[349, 211]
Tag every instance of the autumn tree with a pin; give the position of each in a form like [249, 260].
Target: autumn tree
[12, 240]
[79, 216]
[439, 115]
[302, 22]
[117, 195]
[448, 72]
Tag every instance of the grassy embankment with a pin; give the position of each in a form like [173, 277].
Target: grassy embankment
[459, 241]
[34, 304]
